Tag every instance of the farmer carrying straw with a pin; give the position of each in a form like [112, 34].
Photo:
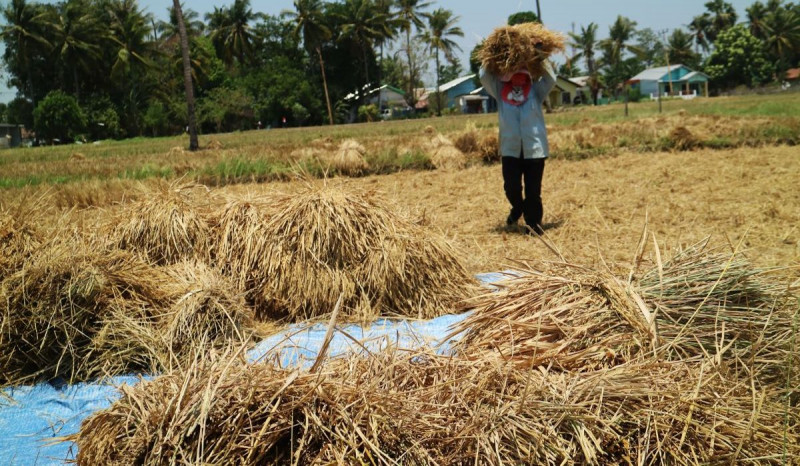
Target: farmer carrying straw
[516, 72]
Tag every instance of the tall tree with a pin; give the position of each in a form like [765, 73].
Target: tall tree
[522, 17]
[586, 44]
[391, 25]
[365, 25]
[441, 27]
[739, 59]
[410, 12]
[756, 14]
[76, 33]
[782, 37]
[187, 75]
[723, 16]
[309, 21]
[231, 31]
[23, 34]
[619, 36]
[679, 49]
[699, 27]
[168, 30]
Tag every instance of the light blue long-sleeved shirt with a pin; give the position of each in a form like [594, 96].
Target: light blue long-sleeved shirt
[522, 127]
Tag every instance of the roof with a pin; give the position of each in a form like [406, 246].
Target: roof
[655, 74]
[693, 75]
[793, 74]
[366, 91]
[447, 86]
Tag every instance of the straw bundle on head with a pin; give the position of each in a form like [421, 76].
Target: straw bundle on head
[164, 226]
[348, 159]
[522, 46]
[57, 306]
[206, 310]
[445, 155]
[321, 245]
[418, 408]
[566, 317]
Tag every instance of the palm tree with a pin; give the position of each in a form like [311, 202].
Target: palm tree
[23, 33]
[391, 25]
[782, 29]
[410, 14]
[723, 16]
[187, 73]
[231, 32]
[756, 13]
[130, 30]
[441, 26]
[309, 21]
[679, 48]
[76, 34]
[169, 30]
[620, 33]
[699, 28]
[586, 43]
[363, 24]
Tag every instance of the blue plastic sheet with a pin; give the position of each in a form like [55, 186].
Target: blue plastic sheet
[33, 418]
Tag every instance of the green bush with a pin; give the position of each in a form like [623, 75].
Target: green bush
[58, 116]
[368, 112]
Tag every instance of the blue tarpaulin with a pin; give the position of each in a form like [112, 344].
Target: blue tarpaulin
[32, 418]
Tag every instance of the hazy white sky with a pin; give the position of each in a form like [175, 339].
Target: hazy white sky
[479, 17]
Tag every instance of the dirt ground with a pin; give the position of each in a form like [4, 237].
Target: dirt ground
[596, 209]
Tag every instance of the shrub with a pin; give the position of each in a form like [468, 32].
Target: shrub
[58, 116]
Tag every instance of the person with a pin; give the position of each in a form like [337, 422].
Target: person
[523, 139]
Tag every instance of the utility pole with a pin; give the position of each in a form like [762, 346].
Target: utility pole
[538, 11]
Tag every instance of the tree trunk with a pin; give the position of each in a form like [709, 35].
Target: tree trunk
[187, 77]
[411, 96]
[438, 86]
[366, 67]
[75, 83]
[380, 79]
[324, 84]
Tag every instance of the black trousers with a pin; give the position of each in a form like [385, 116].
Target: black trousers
[531, 170]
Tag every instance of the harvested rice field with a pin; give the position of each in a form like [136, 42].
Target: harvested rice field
[655, 322]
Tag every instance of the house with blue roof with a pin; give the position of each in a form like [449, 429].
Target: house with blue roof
[675, 80]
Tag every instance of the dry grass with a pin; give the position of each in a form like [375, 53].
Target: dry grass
[325, 242]
[20, 236]
[165, 226]
[522, 46]
[417, 408]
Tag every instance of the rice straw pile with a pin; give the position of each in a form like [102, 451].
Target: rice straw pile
[418, 408]
[240, 243]
[328, 242]
[165, 226]
[19, 238]
[699, 303]
[206, 311]
[348, 159]
[522, 46]
[567, 318]
[78, 311]
[485, 145]
[445, 155]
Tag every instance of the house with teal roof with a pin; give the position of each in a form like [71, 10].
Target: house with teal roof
[675, 80]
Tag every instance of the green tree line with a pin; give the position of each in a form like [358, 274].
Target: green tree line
[108, 69]
[754, 51]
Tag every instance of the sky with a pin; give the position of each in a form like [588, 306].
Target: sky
[479, 17]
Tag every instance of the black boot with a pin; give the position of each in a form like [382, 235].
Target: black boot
[513, 217]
